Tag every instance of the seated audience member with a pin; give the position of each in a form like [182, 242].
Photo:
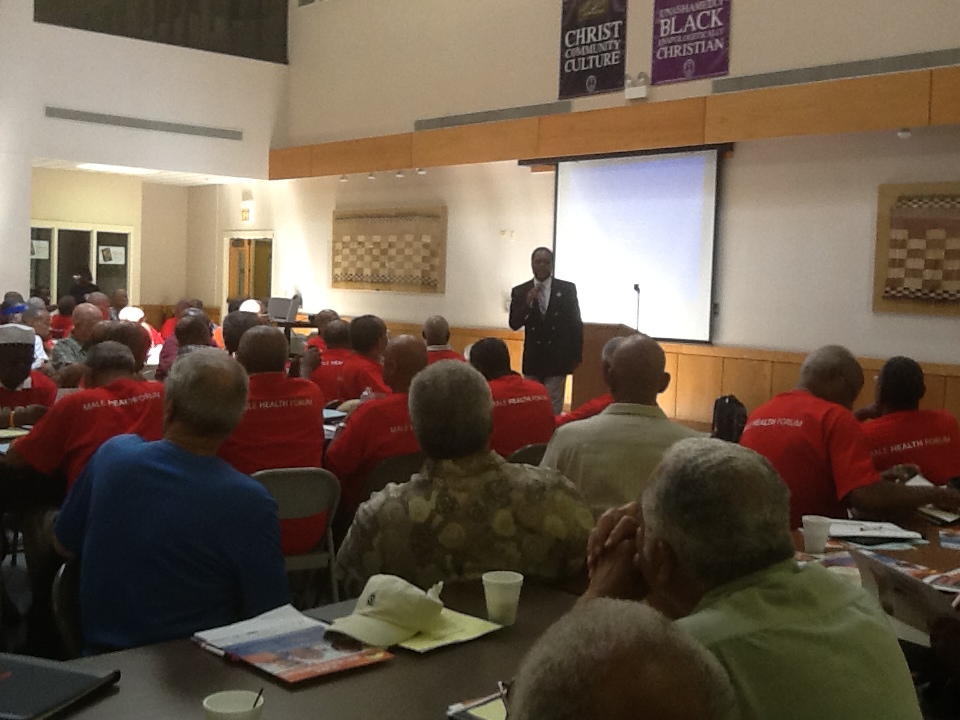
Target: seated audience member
[282, 427]
[235, 324]
[321, 320]
[102, 302]
[72, 350]
[436, 333]
[135, 315]
[172, 539]
[11, 310]
[903, 434]
[619, 660]
[170, 324]
[61, 322]
[598, 404]
[468, 510]
[522, 409]
[362, 370]
[82, 286]
[25, 394]
[117, 303]
[233, 304]
[611, 456]
[134, 337]
[38, 319]
[380, 428]
[192, 330]
[326, 368]
[812, 439]
[711, 540]
[114, 402]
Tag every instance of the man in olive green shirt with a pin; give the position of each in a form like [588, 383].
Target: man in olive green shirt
[712, 544]
[609, 457]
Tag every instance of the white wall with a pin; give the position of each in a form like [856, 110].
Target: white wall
[203, 265]
[370, 67]
[163, 279]
[796, 240]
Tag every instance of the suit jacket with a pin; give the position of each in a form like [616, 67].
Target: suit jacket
[552, 343]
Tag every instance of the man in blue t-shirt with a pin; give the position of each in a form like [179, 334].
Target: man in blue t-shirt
[172, 539]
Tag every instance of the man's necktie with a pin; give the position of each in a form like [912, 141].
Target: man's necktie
[543, 299]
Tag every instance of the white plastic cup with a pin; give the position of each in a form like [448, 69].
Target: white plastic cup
[501, 588]
[233, 705]
[816, 530]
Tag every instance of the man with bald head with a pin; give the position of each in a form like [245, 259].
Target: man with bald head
[611, 456]
[102, 303]
[117, 303]
[597, 404]
[380, 428]
[811, 437]
[436, 333]
[282, 426]
[72, 350]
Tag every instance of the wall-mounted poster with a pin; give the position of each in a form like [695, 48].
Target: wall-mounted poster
[112, 255]
[691, 40]
[39, 250]
[593, 47]
[399, 249]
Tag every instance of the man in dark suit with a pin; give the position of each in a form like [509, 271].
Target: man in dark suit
[548, 310]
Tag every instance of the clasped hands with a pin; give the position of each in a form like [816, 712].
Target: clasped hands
[613, 555]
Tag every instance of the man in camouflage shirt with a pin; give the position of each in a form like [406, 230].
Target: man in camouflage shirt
[468, 511]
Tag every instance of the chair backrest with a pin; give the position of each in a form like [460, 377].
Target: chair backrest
[397, 469]
[529, 454]
[66, 607]
[301, 492]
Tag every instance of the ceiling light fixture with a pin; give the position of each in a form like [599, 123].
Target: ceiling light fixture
[399, 174]
[421, 171]
[904, 133]
[343, 178]
[116, 169]
[371, 176]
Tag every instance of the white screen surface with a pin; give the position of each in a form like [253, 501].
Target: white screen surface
[647, 221]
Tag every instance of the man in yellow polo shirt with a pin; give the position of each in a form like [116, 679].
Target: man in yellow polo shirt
[711, 540]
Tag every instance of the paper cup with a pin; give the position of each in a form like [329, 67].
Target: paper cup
[502, 591]
[232, 705]
[816, 530]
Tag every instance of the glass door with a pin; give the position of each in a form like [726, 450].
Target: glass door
[112, 250]
[41, 270]
[73, 257]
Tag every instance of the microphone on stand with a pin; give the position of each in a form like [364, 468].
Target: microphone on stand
[636, 289]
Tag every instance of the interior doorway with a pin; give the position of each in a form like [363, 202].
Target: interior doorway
[250, 268]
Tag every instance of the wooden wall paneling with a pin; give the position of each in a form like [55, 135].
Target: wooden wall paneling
[388, 152]
[668, 398]
[698, 386]
[877, 102]
[480, 143]
[749, 380]
[294, 162]
[675, 123]
[936, 395]
[951, 396]
[784, 377]
[945, 96]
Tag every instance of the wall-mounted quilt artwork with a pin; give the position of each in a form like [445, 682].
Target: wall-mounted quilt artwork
[917, 265]
[399, 249]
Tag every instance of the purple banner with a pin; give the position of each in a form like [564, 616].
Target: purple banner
[593, 47]
[691, 40]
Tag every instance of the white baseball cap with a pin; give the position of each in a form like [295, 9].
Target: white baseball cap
[251, 306]
[130, 314]
[391, 610]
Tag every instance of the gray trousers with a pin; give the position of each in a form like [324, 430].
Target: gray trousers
[555, 384]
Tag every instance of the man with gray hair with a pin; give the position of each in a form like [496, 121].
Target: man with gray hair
[610, 457]
[172, 539]
[711, 541]
[468, 510]
[811, 437]
[619, 660]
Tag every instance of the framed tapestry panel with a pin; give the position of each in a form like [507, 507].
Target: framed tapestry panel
[917, 263]
[399, 249]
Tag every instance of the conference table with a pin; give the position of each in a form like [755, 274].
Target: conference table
[170, 680]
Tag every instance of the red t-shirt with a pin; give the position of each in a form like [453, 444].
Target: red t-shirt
[282, 428]
[928, 438]
[61, 325]
[378, 429]
[816, 446]
[42, 391]
[329, 374]
[169, 325]
[78, 424]
[588, 409]
[317, 342]
[438, 355]
[360, 373]
[522, 414]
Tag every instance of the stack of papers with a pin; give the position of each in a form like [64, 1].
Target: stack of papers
[871, 533]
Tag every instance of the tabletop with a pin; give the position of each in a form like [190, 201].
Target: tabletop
[169, 680]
